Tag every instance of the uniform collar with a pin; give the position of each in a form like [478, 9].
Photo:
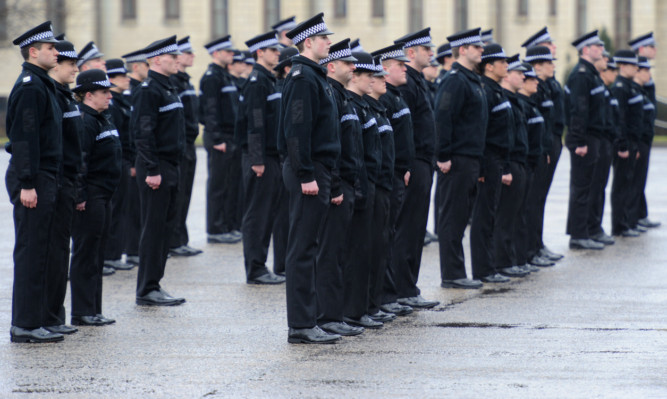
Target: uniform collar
[466, 72]
[338, 86]
[39, 72]
[90, 111]
[375, 104]
[160, 78]
[494, 85]
[589, 66]
[260, 69]
[299, 59]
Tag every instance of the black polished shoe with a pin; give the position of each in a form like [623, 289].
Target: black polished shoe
[541, 261]
[226, 238]
[118, 265]
[132, 259]
[464, 283]
[159, 298]
[513, 271]
[639, 228]
[267, 279]
[364, 321]
[382, 317]
[629, 233]
[585, 243]
[418, 302]
[192, 251]
[62, 329]
[87, 321]
[547, 253]
[648, 223]
[495, 278]
[179, 251]
[236, 233]
[603, 238]
[105, 320]
[528, 268]
[429, 238]
[37, 335]
[396, 308]
[313, 335]
[108, 271]
[341, 328]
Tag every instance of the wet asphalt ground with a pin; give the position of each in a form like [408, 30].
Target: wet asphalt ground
[595, 325]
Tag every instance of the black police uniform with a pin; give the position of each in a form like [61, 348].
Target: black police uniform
[380, 244]
[218, 103]
[257, 135]
[646, 132]
[461, 118]
[495, 163]
[311, 141]
[357, 265]
[332, 248]
[159, 131]
[630, 112]
[119, 112]
[133, 210]
[61, 228]
[188, 165]
[413, 215]
[102, 169]
[404, 150]
[34, 128]
[281, 222]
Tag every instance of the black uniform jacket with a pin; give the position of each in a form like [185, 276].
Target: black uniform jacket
[630, 112]
[190, 100]
[218, 104]
[500, 126]
[351, 145]
[558, 99]
[386, 142]
[417, 95]
[72, 131]
[586, 104]
[401, 121]
[34, 125]
[120, 111]
[519, 149]
[535, 129]
[158, 123]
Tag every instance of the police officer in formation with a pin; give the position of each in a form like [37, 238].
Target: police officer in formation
[331, 150]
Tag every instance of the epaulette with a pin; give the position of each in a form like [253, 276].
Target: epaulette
[296, 70]
[253, 76]
[27, 78]
[619, 84]
[453, 72]
[582, 68]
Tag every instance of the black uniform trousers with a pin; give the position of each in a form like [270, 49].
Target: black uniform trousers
[260, 211]
[32, 229]
[389, 291]
[484, 216]
[621, 193]
[599, 186]
[639, 205]
[508, 214]
[90, 229]
[457, 194]
[306, 215]
[331, 253]
[115, 242]
[581, 179]
[222, 191]
[280, 227]
[158, 214]
[522, 230]
[410, 228]
[380, 247]
[356, 266]
[187, 166]
[58, 258]
[133, 217]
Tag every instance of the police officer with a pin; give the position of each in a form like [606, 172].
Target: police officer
[311, 141]
[257, 135]
[101, 149]
[34, 128]
[59, 251]
[90, 57]
[461, 120]
[159, 131]
[119, 109]
[555, 118]
[218, 102]
[587, 114]
[186, 92]
[630, 110]
[413, 215]
[282, 27]
[393, 62]
[332, 248]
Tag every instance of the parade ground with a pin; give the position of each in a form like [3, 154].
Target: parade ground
[593, 326]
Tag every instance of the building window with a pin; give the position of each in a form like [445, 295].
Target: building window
[622, 23]
[553, 8]
[129, 9]
[377, 10]
[219, 24]
[582, 17]
[460, 15]
[172, 9]
[271, 13]
[340, 8]
[522, 11]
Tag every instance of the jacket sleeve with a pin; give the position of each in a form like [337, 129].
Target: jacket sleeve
[211, 108]
[256, 96]
[448, 107]
[299, 119]
[580, 95]
[90, 130]
[24, 133]
[145, 123]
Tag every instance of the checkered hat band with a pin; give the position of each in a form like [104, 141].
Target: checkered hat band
[494, 55]
[393, 54]
[116, 70]
[89, 55]
[346, 52]
[530, 74]
[465, 40]
[37, 38]
[513, 65]
[649, 41]
[626, 60]
[487, 37]
[313, 30]
[378, 68]
[219, 46]
[185, 47]
[286, 26]
[369, 67]
[644, 65]
[163, 50]
[104, 83]
[263, 44]
[418, 41]
[447, 53]
[68, 54]
[588, 42]
[135, 58]
[543, 57]
[544, 38]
